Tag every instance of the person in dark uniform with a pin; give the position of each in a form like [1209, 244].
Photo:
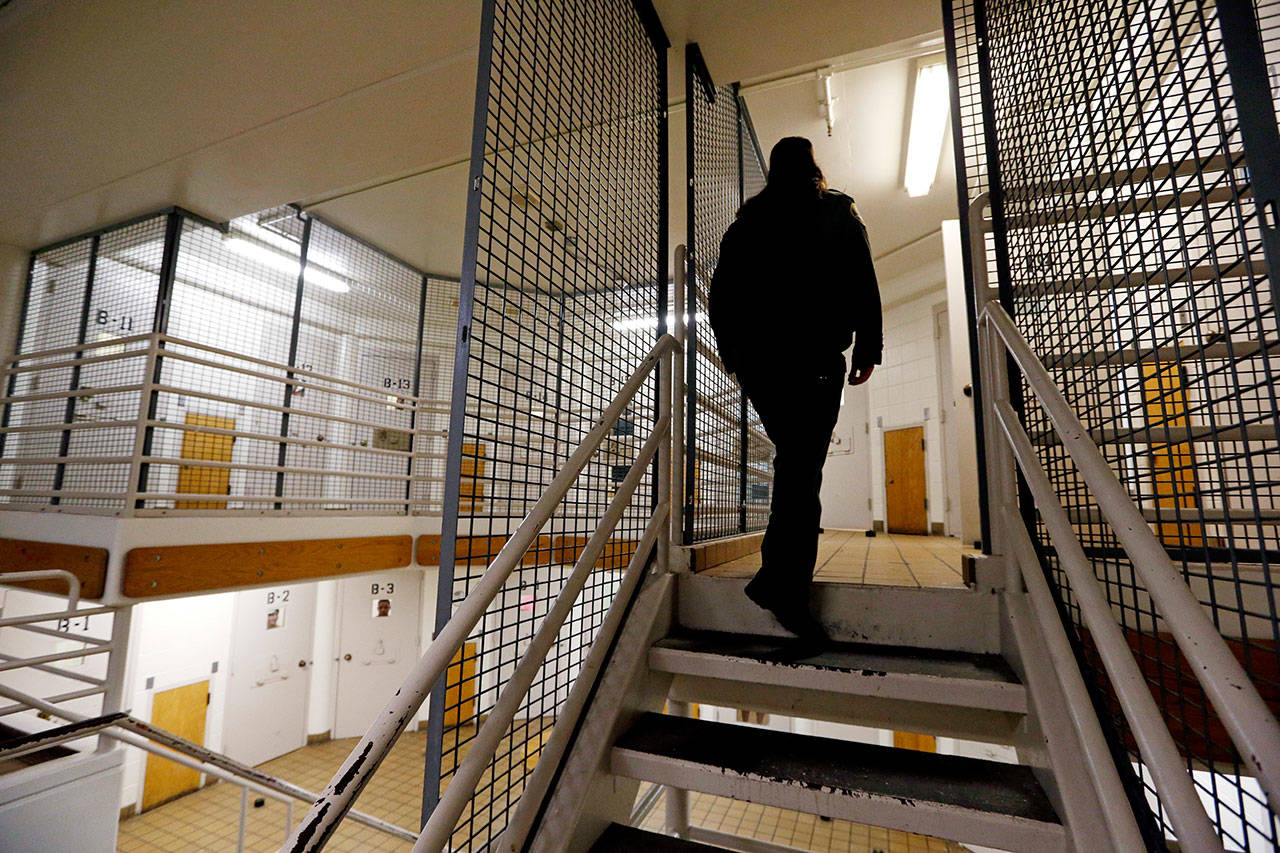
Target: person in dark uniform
[793, 288]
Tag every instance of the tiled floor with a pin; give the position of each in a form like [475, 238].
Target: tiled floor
[208, 819]
[850, 556]
[798, 830]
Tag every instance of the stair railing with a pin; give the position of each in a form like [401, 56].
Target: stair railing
[328, 810]
[1253, 729]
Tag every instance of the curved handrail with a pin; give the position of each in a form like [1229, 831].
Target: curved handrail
[1251, 725]
[327, 811]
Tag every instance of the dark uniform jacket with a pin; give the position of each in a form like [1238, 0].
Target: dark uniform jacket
[794, 287]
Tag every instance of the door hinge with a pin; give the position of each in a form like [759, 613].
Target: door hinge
[926, 503]
[922, 444]
[208, 698]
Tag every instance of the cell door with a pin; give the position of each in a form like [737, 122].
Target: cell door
[213, 447]
[270, 676]
[182, 711]
[377, 644]
[906, 510]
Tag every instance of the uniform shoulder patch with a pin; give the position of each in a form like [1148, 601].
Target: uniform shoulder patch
[853, 208]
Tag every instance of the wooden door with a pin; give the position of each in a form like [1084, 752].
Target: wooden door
[182, 712]
[904, 485]
[911, 740]
[471, 483]
[1173, 472]
[460, 694]
[201, 479]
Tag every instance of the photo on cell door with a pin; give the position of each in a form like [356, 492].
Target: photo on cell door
[381, 608]
[275, 618]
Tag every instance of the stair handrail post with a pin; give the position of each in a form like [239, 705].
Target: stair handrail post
[666, 451]
[1001, 485]
[326, 813]
[1254, 730]
[677, 392]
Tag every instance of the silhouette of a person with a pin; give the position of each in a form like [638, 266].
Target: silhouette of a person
[793, 288]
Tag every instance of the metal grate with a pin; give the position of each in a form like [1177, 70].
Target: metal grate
[271, 386]
[1131, 253]
[728, 479]
[563, 293]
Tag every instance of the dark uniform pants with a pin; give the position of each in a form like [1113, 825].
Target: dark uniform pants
[798, 410]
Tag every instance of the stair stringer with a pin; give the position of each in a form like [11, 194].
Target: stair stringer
[1050, 741]
[583, 798]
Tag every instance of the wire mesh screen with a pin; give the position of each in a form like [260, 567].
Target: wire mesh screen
[728, 479]
[1135, 268]
[273, 364]
[567, 210]
[68, 425]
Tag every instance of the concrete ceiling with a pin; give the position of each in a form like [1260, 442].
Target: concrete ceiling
[115, 109]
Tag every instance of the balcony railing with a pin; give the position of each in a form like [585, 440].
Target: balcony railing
[153, 425]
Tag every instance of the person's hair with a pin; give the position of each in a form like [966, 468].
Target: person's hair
[793, 171]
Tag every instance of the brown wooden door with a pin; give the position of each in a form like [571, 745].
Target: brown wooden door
[1173, 470]
[202, 479]
[471, 483]
[460, 694]
[911, 740]
[182, 712]
[904, 489]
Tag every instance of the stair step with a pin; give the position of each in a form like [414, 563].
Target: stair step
[1161, 279]
[628, 839]
[1128, 205]
[1162, 435]
[961, 619]
[1188, 354]
[888, 672]
[965, 799]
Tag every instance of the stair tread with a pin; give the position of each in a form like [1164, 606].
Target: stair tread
[864, 658]
[628, 839]
[843, 767]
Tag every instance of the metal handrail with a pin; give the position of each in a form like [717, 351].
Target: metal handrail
[1254, 731]
[327, 812]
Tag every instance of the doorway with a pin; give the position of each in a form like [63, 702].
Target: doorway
[212, 447]
[182, 711]
[270, 677]
[906, 504]
[377, 644]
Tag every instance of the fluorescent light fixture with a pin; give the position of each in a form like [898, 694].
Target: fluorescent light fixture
[929, 110]
[270, 257]
[637, 324]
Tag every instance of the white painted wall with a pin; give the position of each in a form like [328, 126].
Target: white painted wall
[846, 478]
[173, 643]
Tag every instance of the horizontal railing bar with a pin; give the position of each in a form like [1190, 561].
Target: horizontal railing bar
[277, 439]
[74, 425]
[83, 693]
[171, 512]
[439, 827]
[169, 461]
[53, 670]
[19, 663]
[1161, 435]
[53, 632]
[85, 391]
[1161, 203]
[10, 621]
[379, 400]
[87, 345]
[296, 371]
[10, 506]
[1253, 729]
[70, 579]
[1188, 515]
[270, 499]
[1155, 743]
[1122, 178]
[1162, 278]
[364, 759]
[70, 363]
[273, 407]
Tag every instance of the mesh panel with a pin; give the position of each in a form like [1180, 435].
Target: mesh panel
[729, 479]
[566, 219]
[230, 427]
[1133, 265]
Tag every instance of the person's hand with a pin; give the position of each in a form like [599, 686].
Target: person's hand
[860, 374]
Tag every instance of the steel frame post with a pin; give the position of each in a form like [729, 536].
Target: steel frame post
[159, 326]
[457, 407]
[64, 443]
[410, 465]
[283, 452]
[1247, 68]
[692, 63]
[12, 384]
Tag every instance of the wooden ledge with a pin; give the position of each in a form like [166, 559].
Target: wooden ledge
[705, 555]
[182, 569]
[28, 555]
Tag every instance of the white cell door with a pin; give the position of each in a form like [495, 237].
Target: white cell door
[270, 672]
[377, 643]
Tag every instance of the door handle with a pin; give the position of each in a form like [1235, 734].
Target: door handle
[347, 656]
[889, 482]
[302, 664]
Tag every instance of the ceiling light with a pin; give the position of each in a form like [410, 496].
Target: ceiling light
[286, 264]
[929, 111]
[635, 324]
